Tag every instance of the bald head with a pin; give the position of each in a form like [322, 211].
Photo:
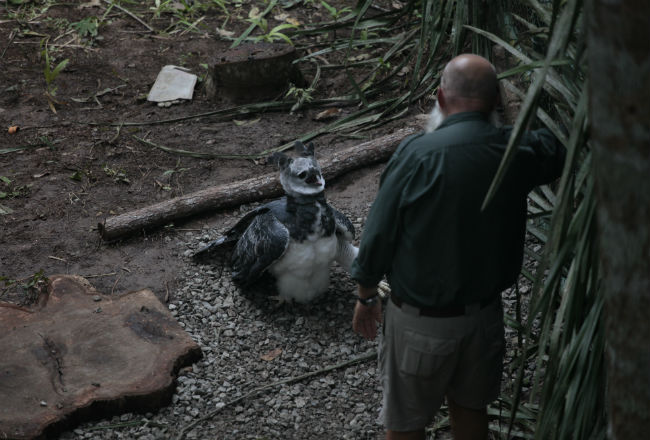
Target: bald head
[468, 83]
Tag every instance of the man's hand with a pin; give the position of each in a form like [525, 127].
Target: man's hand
[366, 318]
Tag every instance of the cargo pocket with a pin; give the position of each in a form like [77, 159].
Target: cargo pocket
[494, 339]
[424, 355]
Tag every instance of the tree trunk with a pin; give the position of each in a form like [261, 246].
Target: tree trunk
[619, 69]
[245, 191]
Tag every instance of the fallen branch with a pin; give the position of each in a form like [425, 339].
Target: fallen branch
[11, 39]
[194, 154]
[246, 191]
[259, 390]
[130, 14]
[143, 422]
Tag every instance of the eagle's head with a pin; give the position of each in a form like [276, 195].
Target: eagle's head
[300, 175]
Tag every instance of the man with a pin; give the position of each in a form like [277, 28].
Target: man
[447, 261]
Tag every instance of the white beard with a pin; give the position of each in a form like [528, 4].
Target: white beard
[436, 117]
[495, 119]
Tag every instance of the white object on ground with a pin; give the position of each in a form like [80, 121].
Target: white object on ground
[172, 83]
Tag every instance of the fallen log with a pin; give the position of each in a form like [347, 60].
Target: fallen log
[245, 191]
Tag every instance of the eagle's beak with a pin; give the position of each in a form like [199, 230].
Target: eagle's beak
[314, 179]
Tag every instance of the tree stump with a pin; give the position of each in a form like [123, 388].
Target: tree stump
[80, 355]
[253, 72]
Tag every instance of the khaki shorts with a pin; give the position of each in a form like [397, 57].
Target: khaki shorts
[422, 359]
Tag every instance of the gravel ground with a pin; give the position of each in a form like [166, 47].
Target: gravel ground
[250, 342]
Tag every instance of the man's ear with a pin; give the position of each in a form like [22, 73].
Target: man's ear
[442, 99]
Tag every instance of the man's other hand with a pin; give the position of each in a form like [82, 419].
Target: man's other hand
[366, 318]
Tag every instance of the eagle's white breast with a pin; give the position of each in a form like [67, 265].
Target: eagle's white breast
[303, 272]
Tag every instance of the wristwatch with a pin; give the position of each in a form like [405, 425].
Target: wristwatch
[368, 302]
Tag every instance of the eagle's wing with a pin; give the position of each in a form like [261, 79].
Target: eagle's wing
[263, 242]
[232, 235]
[346, 252]
[344, 227]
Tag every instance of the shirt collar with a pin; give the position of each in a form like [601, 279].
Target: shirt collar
[463, 117]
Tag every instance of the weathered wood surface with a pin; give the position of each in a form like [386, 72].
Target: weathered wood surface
[254, 71]
[80, 355]
[246, 191]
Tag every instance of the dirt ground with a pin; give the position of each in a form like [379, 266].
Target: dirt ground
[76, 169]
[63, 173]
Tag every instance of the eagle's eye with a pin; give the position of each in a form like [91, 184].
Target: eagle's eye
[302, 174]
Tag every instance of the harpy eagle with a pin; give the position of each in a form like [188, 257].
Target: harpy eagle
[296, 238]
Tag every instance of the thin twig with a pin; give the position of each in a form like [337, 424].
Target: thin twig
[15, 306]
[198, 155]
[100, 275]
[69, 42]
[256, 391]
[193, 25]
[115, 284]
[131, 14]
[74, 46]
[117, 134]
[143, 422]
[247, 109]
[56, 258]
[228, 113]
[11, 39]
[63, 35]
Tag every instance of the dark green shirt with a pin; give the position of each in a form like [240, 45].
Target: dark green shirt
[426, 230]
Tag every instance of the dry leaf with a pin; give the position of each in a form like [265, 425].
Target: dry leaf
[254, 13]
[271, 354]
[178, 6]
[4, 210]
[91, 4]
[327, 114]
[288, 18]
[224, 33]
[363, 56]
[249, 122]
[293, 21]
[403, 71]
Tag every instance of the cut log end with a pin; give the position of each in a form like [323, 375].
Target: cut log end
[79, 355]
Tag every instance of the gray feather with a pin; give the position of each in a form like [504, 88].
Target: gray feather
[265, 241]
